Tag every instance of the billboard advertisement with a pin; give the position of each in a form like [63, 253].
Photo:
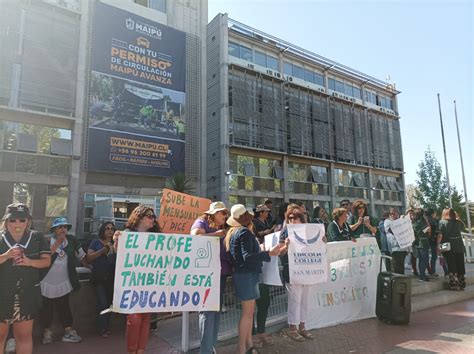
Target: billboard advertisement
[136, 95]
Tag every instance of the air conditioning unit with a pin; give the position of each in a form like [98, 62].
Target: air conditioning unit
[278, 75]
[269, 72]
[321, 90]
[352, 99]
[250, 66]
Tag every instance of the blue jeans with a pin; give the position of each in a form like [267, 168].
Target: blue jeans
[434, 256]
[423, 260]
[209, 324]
[104, 293]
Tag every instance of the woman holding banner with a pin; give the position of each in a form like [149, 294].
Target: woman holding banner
[298, 295]
[247, 257]
[398, 254]
[212, 223]
[141, 219]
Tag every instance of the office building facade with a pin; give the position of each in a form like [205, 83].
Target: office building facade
[289, 125]
[47, 107]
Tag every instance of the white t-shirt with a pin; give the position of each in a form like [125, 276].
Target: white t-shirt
[56, 283]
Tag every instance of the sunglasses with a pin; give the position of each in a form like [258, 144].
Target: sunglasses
[344, 204]
[110, 228]
[150, 216]
[14, 220]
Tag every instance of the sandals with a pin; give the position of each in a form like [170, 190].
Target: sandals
[252, 350]
[306, 334]
[296, 336]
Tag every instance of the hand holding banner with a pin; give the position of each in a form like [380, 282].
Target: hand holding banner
[403, 231]
[307, 254]
[166, 272]
[178, 211]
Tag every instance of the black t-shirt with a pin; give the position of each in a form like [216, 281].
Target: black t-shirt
[28, 278]
[260, 226]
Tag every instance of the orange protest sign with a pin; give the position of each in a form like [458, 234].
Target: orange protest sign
[178, 211]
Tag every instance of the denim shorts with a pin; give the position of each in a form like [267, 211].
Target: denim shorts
[246, 285]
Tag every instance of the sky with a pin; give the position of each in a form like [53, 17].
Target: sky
[425, 47]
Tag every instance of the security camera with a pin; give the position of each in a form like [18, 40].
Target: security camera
[227, 173]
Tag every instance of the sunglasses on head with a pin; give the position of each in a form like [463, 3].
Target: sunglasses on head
[14, 220]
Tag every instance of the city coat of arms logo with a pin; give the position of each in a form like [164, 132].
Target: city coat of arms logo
[130, 24]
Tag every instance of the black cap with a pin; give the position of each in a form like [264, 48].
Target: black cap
[17, 211]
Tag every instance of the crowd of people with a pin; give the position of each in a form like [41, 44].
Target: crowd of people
[38, 273]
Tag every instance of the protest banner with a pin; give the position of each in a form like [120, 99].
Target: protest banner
[350, 292]
[178, 211]
[270, 271]
[403, 231]
[158, 272]
[307, 254]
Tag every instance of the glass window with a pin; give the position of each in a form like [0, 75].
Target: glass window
[356, 92]
[159, 5]
[272, 63]
[142, 2]
[348, 90]
[58, 167]
[246, 53]
[319, 79]
[25, 163]
[308, 75]
[287, 68]
[340, 86]
[242, 161]
[260, 58]
[9, 137]
[234, 49]
[56, 201]
[23, 193]
[298, 72]
[332, 84]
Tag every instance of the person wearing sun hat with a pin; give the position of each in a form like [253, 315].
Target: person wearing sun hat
[60, 280]
[22, 252]
[247, 257]
[212, 223]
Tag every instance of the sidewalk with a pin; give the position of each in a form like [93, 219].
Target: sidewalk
[446, 329]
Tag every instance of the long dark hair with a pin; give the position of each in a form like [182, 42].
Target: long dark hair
[102, 228]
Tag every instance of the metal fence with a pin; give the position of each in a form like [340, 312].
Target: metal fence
[231, 311]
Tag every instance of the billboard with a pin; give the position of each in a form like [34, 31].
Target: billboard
[136, 95]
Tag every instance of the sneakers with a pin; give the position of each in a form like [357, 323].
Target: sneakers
[10, 347]
[71, 336]
[435, 275]
[47, 337]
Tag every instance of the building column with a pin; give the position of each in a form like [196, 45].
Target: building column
[74, 200]
[332, 186]
[286, 194]
[371, 192]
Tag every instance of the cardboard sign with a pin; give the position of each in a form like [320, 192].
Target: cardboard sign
[403, 231]
[270, 270]
[179, 211]
[166, 272]
[307, 254]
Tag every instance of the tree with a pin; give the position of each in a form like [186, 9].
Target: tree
[180, 183]
[410, 190]
[431, 191]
